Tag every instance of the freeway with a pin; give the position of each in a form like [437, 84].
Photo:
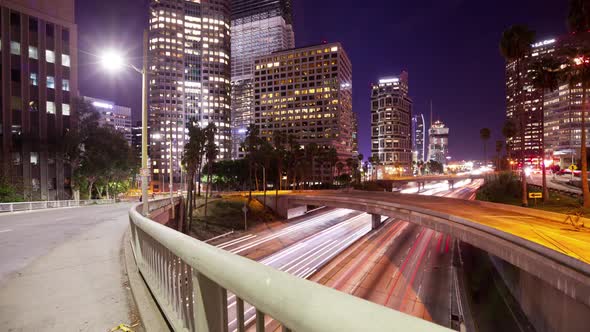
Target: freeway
[402, 266]
[300, 248]
[55, 262]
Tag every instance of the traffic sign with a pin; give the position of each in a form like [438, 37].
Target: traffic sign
[535, 195]
[573, 167]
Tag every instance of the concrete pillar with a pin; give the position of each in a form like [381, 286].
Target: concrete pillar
[375, 221]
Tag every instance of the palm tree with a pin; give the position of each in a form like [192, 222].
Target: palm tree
[508, 131]
[311, 154]
[485, 134]
[578, 72]
[339, 168]
[499, 146]
[251, 145]
[211, 152]
[279, 139]
[360, 157]
[190, 161]
[331, 157]
[515, 45]
[546, 78]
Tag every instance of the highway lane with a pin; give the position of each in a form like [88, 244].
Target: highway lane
[403, 266]
[303, 247]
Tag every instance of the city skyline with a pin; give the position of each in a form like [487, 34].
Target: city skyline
[431, 44]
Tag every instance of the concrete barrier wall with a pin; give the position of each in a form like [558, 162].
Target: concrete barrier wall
[547, 308]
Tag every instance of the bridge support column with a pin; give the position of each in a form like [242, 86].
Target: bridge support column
[451, 184]
[376, 221]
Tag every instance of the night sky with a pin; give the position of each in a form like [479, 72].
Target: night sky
[449, 48]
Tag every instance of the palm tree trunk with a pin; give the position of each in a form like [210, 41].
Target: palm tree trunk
[585, 189]
[543, 168]
[525, 201]
[208, 189]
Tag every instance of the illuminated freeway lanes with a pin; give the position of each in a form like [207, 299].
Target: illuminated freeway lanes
[313, 241]
[402, 266]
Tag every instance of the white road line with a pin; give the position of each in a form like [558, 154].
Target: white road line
[6, 230]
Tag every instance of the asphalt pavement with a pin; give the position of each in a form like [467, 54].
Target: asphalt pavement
[62, 269]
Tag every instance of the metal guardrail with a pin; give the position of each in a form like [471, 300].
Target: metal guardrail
[190, 281]
[38, 205]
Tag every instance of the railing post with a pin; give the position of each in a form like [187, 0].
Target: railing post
[31, 206]
[210, 308]
[240, 314]
[11, 207]
[259, 321]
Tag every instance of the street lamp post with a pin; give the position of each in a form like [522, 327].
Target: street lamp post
[113, 61]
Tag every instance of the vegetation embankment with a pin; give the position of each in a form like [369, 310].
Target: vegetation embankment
[505, 188]
[225, 214]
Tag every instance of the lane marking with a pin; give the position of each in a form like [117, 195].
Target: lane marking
[6, 230]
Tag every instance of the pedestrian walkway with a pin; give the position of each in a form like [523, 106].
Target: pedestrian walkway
[78, 285]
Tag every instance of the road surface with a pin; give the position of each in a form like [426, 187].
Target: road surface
[62, 269]
[402, 266]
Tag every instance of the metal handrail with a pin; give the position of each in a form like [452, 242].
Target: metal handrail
[190, 280]
[38, 205]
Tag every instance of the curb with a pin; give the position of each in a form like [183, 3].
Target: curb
[149, 312]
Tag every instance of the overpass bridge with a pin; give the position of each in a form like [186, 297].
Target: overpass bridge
[552, 256]
[421, 181]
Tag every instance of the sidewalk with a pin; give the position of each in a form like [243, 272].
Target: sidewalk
[81, 285]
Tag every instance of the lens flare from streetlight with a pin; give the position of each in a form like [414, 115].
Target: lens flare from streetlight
[112, 60]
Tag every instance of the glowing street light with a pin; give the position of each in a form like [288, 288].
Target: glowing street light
[114, 61]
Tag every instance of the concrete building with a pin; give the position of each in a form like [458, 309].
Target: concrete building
[189, 73]
[438, 147]
[391, 112]
[39, 84]
[563, 113]
[136, 138]
[119, 117]
[419, 137]
[530, 97]
[307, 92]
[258, 28]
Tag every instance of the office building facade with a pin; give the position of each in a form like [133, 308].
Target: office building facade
[258, 28]
[307, 92]
[38, 53]
[391, 112]
[438, 145]
[418, 137]
[118, 117]
[189, 79]
[529, 98]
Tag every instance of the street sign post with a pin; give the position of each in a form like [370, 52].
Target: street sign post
[245, 210]
[573, 167]
[535, 196]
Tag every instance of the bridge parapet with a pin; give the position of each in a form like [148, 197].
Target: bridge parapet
[190, 281]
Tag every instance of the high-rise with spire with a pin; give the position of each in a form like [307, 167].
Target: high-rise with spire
[259, 27]
[189, 78]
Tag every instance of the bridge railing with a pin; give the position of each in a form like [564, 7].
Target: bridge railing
[190, 281]
[38, 205]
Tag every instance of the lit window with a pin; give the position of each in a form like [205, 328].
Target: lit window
[15, 48]
[49, 56]
[65, 60]
[50, 107]
[65, 109]
[33, 52]
[66, 85]
[50, 82]
[34, 79]
[34, 158]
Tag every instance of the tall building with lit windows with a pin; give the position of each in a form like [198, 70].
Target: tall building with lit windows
[189, 79]
[38, 53]
[307, 92]
[258, 28]
[419, 136]
[391, 112]
[438, 147]
[558, 113]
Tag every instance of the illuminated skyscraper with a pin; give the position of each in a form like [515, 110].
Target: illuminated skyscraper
[258, 28]
[307, 92]
[391, 109]
[189, 78]
[418, 136]
[438, 147]
[39, 85]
